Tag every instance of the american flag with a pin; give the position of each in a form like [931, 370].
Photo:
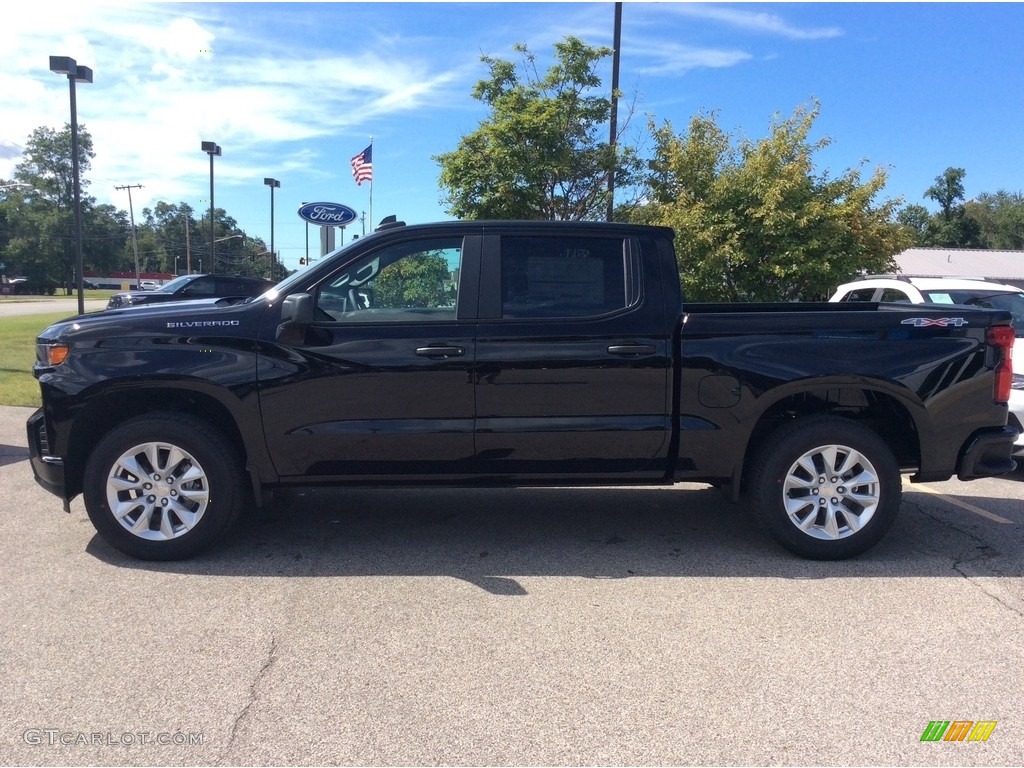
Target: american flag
[362, 166]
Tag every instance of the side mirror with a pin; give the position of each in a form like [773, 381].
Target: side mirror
[298, 309]
[297, 312]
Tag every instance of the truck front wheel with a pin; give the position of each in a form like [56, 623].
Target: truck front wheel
[163, 486]
[826, 488]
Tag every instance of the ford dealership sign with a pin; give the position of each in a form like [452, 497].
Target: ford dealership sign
[328, 214]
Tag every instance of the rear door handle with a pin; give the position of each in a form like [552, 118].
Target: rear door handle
[440, 350]
[631, 350]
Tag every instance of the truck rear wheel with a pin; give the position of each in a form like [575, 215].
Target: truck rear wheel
[163, 486]
[826, 488]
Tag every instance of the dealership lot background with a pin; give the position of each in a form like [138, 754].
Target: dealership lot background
[555, 626]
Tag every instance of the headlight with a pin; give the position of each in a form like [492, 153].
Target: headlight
[52, 354]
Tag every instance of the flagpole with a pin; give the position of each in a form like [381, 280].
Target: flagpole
[371, 185]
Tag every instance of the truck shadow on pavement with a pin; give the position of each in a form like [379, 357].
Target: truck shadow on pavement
[490, 537]
[12, 454]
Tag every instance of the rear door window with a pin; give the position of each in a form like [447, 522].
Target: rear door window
[566, 277]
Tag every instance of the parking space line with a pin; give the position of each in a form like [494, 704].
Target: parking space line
[964, 505]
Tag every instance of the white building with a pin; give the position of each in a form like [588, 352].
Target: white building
[1001, 266]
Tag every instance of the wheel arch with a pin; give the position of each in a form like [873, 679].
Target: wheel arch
[108, 408]
[896, 419]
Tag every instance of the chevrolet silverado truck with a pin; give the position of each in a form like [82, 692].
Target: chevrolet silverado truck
[513, 354]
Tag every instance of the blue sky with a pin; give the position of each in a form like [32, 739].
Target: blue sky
[293, 90]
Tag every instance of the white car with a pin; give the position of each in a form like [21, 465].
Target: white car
[148, 285]
[954, 290]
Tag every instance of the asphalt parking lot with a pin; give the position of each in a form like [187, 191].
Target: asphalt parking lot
[526, 627]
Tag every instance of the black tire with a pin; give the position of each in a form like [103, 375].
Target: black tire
[162, 453]
[825, 516]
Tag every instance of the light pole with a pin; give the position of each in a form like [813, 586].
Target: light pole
[273, 184]
[77, 73]
[306, 262]
[213, 150]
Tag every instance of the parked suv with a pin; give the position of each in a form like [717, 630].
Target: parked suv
[953, 290]
[193, 287]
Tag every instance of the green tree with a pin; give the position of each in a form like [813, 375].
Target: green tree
[948, 192]
[916, 219]
[258, 262]
[420, 280]
[952, 226]
[153, 253]
[40, 212]
[754, 221]
[169, 222]
[1000, 217]
[105, 232]
[543, 150]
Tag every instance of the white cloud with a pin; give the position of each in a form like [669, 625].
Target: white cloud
[765, 23]
[168, 77]
[676, 59]
[184, 40]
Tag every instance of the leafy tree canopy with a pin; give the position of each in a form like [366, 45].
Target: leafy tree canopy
[1000, 217]
[954, 226]
[754, 221]
[543, 151]
[420, 280]
[948, 191]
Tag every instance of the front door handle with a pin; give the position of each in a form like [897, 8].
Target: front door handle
[631, 350]
[441, 351]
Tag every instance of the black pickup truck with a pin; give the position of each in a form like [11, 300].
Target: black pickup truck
[514, 353]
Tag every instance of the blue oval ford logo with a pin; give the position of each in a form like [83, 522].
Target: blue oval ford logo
[328, 214]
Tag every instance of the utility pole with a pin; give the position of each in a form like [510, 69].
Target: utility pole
[188, 248]
[135, 243]
[613, 140]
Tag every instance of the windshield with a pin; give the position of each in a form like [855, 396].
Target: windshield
[175, 284]
[285, 286]
[986, 298]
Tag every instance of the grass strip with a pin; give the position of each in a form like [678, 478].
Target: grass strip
[17, 353]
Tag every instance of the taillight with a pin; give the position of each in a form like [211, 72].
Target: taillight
[1001, 337]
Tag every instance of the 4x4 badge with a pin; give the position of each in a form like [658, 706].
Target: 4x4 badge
[943, 322]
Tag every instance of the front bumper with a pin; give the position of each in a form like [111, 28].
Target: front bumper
[48, 469]
[986, 453]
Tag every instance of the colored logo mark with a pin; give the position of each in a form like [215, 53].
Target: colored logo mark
[958, 730]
